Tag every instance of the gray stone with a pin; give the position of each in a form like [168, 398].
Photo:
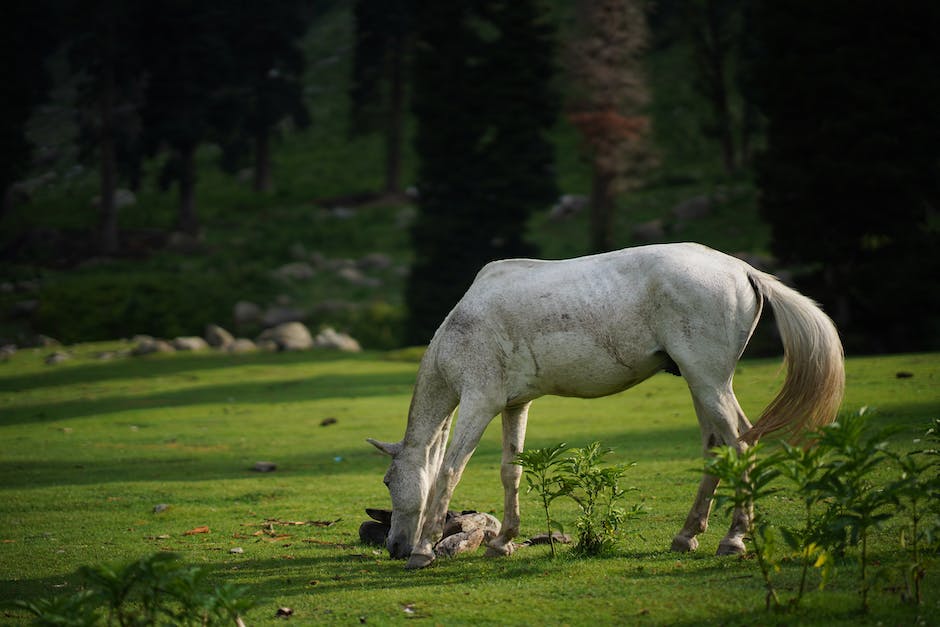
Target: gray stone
[279, 314]
[567, 206]
[246, 312]
[651, 231]
[290, 336]
[693, 209]
[295, 271]
[150, 346]
[461, 542]
[57, 358]
[190, 343]
[242, 345]
[218, 337]
[331, 339]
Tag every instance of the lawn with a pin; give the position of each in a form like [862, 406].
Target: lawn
[89, 448]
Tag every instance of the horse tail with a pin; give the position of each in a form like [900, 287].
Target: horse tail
[814, 359]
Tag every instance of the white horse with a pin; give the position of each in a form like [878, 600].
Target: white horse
[589, 327]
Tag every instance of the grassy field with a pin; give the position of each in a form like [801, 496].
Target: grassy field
[89, 448]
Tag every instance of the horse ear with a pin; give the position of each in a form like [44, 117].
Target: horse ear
[391, 450]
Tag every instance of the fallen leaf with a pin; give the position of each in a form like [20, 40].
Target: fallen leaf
[196, 531]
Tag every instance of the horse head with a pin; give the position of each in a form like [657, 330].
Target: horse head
[408, 485]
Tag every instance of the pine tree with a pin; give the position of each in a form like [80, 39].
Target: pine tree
[484, 102]
[850, 181]
[605, 62]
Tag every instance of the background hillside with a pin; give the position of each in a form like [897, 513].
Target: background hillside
[324, 244]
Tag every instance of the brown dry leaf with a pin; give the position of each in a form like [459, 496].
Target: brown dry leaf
[196, 531]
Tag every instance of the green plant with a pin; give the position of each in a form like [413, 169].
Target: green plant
[803, 467]
[152, 590]
[916, 492]
[597, 492]
[541, 467]
[858, 505]
[746, 482]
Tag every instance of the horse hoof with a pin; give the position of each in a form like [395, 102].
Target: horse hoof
[733, 546]
[419, 560]
[682, 544]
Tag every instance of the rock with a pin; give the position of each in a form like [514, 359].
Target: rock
[149, 346]
[7, 351]
[218, 337]
[277, 314]
[467, 522]
[24, 308]
[160, 508]
[264, 467]
[295, 271]
[326, 422]
[190, 343]
[236, 550]
[284, 612]
[373, 533]
[290, 336]
[268, 346]
[542, 538]
[693, 209]
[243, 345]
[57, 358]
[567, 206]
[461, 542]
[44, 341]
[342, 213]
[356, 277]
[329, 338]
[651, 231]
[374, 261]
[246, 312]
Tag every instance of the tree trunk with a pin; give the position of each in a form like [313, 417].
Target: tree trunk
[108, 219]
[262, 182]
[187, 221]
[715, 51]
[395, 114]
[602, 210]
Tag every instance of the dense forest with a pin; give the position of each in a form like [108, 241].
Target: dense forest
[160, 159]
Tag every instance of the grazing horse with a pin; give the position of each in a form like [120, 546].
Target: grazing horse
[589, 327]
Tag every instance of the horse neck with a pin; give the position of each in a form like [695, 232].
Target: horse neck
[429, 418]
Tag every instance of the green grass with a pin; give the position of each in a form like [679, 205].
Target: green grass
[88, 448]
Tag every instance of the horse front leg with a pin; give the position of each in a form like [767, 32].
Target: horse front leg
[514, 424]
[471, 422]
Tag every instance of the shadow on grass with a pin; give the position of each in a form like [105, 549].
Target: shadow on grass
[281, 391]
[162, 365]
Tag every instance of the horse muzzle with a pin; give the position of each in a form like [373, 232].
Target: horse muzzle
[398, 547]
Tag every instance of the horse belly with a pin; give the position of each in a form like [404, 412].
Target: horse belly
[570, 365]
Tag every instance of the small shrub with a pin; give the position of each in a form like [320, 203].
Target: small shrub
[594, 488]
[541, 468]
[153, 590]
[597, 492]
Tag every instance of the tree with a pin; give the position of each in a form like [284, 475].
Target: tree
[719, 31]
[103, 48]
[605, 62]
[850, 181]
[187, 61]
[25, 42]
[484, 102]
[384, 34]
[267, 86]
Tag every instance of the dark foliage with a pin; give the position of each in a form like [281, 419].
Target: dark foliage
[850, 179]
[484, 101]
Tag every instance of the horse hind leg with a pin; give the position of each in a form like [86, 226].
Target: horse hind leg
[722, 421]
[514, 425]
